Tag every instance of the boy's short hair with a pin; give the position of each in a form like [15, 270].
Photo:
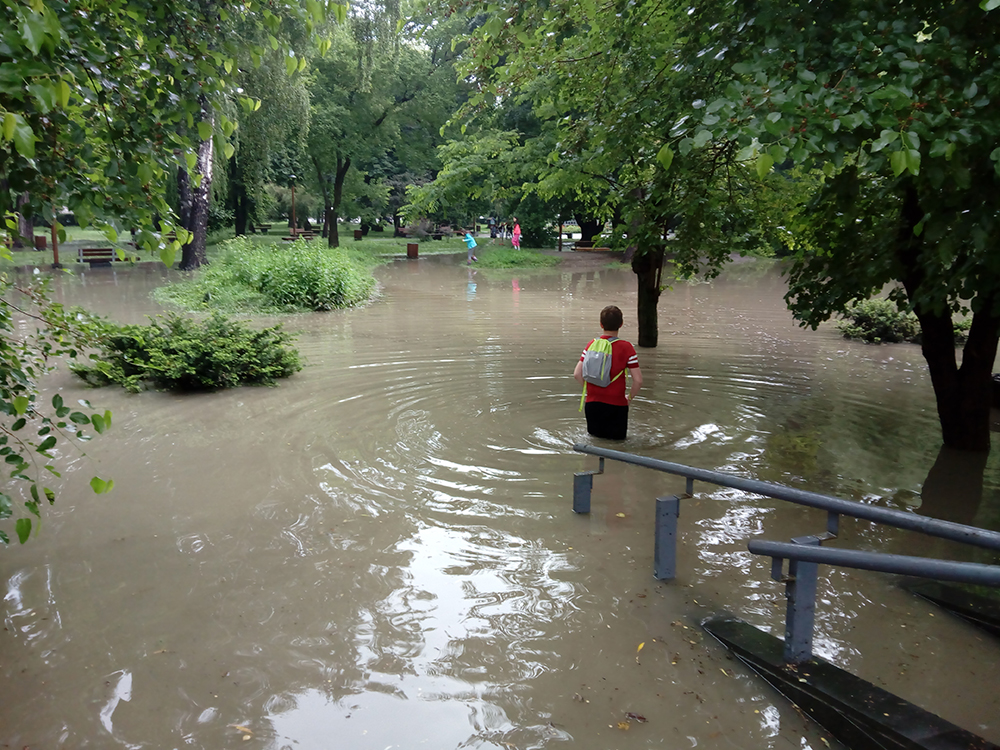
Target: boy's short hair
[611, 318]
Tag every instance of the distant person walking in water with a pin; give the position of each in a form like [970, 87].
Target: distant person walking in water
[515, 237]
[606, 407]
[470, 244]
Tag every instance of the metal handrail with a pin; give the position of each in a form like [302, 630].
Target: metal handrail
[804, 556]
[900, 519]
[804, 553]
[882, 562]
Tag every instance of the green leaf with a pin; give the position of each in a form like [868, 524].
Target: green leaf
[33, 32]
[228, 150]
[23, 528]
[806, 75]
[21, 404]
[764, 164]
[100, 486]
[45, 95]
[665, 157]
[204, 131]
[24, 139]
[913, 161]
[898, 162]
[57, 402]
[9, 123]
[98, 422]
[78, 417]
[701, 138]
[46, 444]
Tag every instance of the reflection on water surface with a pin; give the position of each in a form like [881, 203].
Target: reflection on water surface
[381, 552]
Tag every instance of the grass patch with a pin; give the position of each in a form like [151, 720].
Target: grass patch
[508, 257]
[250, 276]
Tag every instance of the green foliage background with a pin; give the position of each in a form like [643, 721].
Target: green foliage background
[281, 277]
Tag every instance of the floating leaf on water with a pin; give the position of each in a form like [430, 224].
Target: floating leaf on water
[624, 725]
[640, 647]
[620, 515]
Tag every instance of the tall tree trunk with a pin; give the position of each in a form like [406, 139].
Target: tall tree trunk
[324, 190]
[193, 255]
[963, 394]
[647, 266]
[25, 236]
[343, 165]
[589, 227]
[238, 199]
[184, 198]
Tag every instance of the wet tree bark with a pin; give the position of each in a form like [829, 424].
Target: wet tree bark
[647, 267]
[963, 393]
[193, 254]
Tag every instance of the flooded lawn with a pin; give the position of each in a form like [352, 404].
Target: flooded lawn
[381, 552]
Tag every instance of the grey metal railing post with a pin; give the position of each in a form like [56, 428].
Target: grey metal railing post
[583, 483]
[665, 545]
[800, 613]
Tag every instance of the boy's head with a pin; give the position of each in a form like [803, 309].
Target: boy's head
[611, 318]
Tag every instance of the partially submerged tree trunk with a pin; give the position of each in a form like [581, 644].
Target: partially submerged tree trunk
[964, 393]
[648, 266]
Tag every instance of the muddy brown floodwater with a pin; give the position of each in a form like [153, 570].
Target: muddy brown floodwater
[381, 552]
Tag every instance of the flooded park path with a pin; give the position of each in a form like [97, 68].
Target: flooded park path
[381, 553]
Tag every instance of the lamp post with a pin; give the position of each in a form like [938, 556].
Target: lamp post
[294, 223]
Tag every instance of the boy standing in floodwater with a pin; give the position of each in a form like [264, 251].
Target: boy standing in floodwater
[607, 408]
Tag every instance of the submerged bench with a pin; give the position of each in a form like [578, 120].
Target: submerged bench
[97, 256]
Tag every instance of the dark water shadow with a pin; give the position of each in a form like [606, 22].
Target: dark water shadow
[953, 489]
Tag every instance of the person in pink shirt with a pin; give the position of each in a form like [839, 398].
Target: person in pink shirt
[515, 237]
[607, 408]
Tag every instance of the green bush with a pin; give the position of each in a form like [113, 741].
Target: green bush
[880, 321]
[177, 353]
[276, 277]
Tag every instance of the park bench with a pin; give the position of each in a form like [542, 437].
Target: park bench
[263, 228]
[97, 256]
[588, 246]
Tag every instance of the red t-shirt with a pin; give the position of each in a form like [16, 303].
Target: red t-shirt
[622, 355]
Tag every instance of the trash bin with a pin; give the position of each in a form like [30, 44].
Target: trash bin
[358, 234]
[411, 249]
[40, 242]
